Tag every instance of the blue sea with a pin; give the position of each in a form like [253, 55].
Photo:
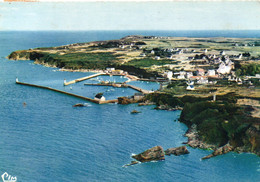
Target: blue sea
[48, 140]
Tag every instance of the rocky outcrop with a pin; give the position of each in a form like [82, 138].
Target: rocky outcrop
[177, 151]
[194, 139]
[222, 150]
[25, 55]
[79, 105]
[167, 107]
[135, 112]
[125, 100]
[146, 103]
[132, 163]
[157, 154]
[153, 154]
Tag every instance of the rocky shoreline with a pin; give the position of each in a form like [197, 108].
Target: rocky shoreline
[195, 141]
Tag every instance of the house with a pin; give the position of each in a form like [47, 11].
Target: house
[99, 97]
[224, 69]
[181, 75]
[170, 57]
[222, 53]
[169, 75]
[189, 74]
[110, 69]
[200, 72]
[211, 73]
[138, 96]
[157, 57]
[202, 80]
[117, 72]
[142, 55]
[190, 87]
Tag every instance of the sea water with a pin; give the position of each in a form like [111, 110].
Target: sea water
[43, 138]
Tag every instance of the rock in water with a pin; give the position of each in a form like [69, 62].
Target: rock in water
[132, 163]
[135, 112]
[222, 150]
[177, 151]
[79, 105]
[153, 154]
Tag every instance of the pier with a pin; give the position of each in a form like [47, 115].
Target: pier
[121, 85]
[67, 93]
[83, 78]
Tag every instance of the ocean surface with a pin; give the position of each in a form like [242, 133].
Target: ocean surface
[48, 140]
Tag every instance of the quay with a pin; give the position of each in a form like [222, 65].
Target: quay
[120, 85]
[71, 94]
[83, 78]
[130, 78]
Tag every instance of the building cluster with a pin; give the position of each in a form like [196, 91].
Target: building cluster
[216, 67]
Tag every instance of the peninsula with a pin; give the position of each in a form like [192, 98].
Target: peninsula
[214, 80]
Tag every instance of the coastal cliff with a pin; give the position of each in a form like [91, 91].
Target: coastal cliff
[213, 125]
[216, 124]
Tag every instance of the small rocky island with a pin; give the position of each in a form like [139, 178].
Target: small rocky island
[214, 81]
[157, 154]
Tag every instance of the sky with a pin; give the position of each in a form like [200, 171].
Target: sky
[178, 15]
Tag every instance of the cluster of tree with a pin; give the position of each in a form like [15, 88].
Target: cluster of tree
[257, 43]
[247, 69]
[177, 83]
[246, 54]
[164, 99]
[158, 52]
[200, 56]
[140, 43]
[133, 70]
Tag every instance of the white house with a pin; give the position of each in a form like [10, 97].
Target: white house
[202, 81]
[99, 97]
[222, 53]
[211, 73]
[142, 55]
[110, 69]
[200, 72]
[224, 69]
[190, 87]
[157, 57]
[181, 75]
[189, 74]
[169, 75]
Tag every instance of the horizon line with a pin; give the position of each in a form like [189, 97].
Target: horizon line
[136, 30]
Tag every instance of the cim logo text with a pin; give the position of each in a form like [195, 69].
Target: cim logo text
[8, 178]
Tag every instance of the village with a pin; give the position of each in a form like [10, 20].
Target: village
[198, 66]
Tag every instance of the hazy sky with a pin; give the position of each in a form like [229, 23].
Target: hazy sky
[130, 16]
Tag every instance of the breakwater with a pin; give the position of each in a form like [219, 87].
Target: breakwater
[83, 78]
[68, 93]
